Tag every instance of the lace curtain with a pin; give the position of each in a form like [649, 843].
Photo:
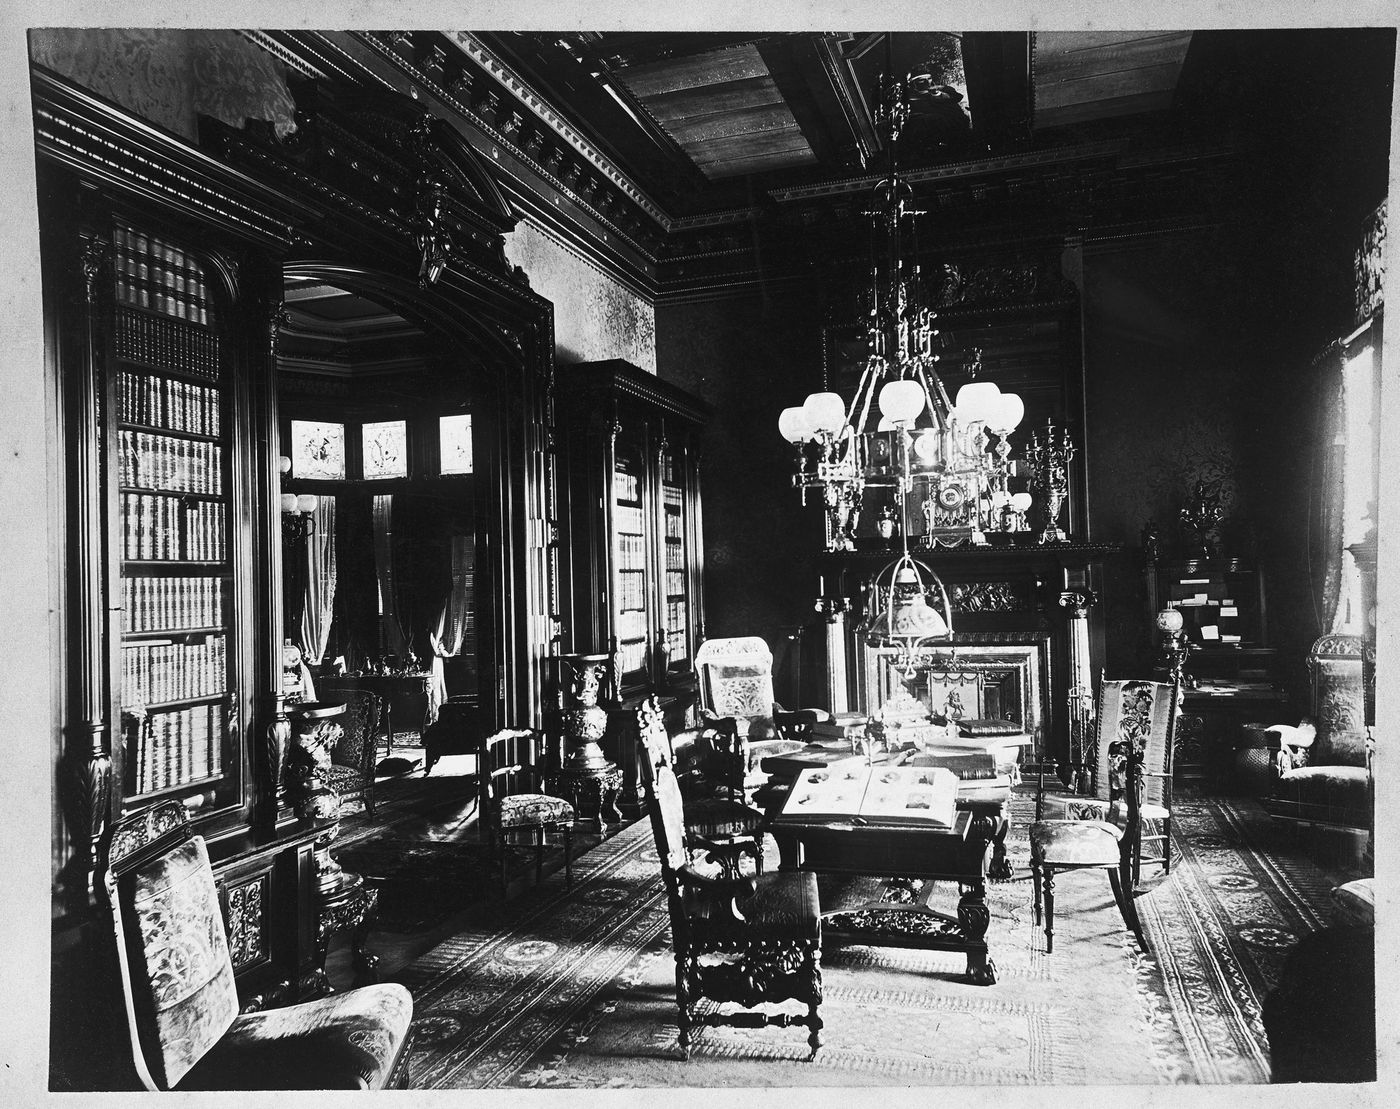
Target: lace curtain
[395, 643]
[319, 603]
[450, 631]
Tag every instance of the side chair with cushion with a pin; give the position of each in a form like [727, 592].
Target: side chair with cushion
[1323, 765]
[352, 768]
[748, 941]
[1104, 832]
[177, 983]
[505, 760]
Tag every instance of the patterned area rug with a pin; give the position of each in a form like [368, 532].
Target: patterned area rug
[577, 991]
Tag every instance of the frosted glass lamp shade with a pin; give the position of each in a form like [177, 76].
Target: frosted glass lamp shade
[1170, 621]
[926, 447]
[826, 412]
[289, 503]
[793, 425]
[306, 503]
[1009, 411]
[1020, 501]
[901, 401]
[977, 400]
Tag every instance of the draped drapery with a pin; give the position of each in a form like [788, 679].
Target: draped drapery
[1329, 468]
[395, 643]
[319, 604]
[449, 634]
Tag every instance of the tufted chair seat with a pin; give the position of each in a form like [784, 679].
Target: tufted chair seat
[521, 809]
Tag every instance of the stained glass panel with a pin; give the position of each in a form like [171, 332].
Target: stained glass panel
[456, 441]
[386, 449]
[318, 449]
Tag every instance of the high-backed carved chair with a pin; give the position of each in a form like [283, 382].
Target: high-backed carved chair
[736, 680]
[708, 765]
[177, 983]
[751, 941]
[507, 761]
[1143, 708]
[1323, 764]
[352, 769]
[1134, 718]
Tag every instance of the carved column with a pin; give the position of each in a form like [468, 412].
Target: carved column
[90, 759]
[1080, 693]
[276, 733]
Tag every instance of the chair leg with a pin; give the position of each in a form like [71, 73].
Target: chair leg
[683, 1004]
[1167, 845]
[369, 798]
[814, 1000]
[1124, 896]
[1049, 909]
[1035, 890]
[568, 856]
[539, 854]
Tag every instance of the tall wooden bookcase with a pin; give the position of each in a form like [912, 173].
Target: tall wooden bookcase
[629, 463]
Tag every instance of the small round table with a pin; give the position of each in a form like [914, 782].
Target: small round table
[593, 791]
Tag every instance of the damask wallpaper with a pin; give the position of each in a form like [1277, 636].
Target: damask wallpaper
[170, 77]
[595, 317]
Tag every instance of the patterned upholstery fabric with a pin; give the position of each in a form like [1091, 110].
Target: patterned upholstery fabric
[783, 906]
[533, 808]
[1133, 712]
[176, 908]
[1076, 842]
[1340, 706]
[1091, 808]
[342, 1042]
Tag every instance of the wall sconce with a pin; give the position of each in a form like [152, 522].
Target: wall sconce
[297, 509]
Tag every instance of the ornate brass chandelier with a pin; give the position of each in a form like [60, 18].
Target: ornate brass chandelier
[901, 431]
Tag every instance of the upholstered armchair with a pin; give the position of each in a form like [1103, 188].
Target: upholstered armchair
[1323, 765]
[177, 982]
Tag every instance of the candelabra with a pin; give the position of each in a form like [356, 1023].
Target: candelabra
[1049, 460]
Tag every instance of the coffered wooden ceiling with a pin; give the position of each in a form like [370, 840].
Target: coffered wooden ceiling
[709, 120]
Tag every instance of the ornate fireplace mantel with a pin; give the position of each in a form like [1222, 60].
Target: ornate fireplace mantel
[1043, 600]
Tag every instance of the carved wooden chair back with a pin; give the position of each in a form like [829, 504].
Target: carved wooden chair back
[355, 754]
[736, 676]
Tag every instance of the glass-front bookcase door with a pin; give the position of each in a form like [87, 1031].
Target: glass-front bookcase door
[631, 606]
[172, 529]
[678, 558]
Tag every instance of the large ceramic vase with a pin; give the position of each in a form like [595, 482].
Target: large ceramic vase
[316, 729]
[584, 722]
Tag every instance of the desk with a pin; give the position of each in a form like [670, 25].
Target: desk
[407, 697]
[918, 855]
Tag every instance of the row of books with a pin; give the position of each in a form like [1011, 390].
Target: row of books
[632, 624]
[672, 496]
[675, 554]
[179, 465]
[154, 341]
[171, 604]
[158, 527]
[626, 487]
[676, 646]
[675, 583]
[675, 527]
[631, 655]
[631, 551]
[173, 748]
[153, 273]
[156, 401]
[155, 673]
[676, 614]
[631, 590]
[627, 522]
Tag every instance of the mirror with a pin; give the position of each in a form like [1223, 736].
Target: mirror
[380, 523]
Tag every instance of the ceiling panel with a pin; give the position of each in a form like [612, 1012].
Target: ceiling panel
[1083, 75]
[722, 108]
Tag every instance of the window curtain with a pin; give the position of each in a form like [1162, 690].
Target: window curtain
[395, 642]
[1329, 494]
[449, 634]
[319, 604]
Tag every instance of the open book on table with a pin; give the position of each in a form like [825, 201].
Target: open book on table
[917, 796]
